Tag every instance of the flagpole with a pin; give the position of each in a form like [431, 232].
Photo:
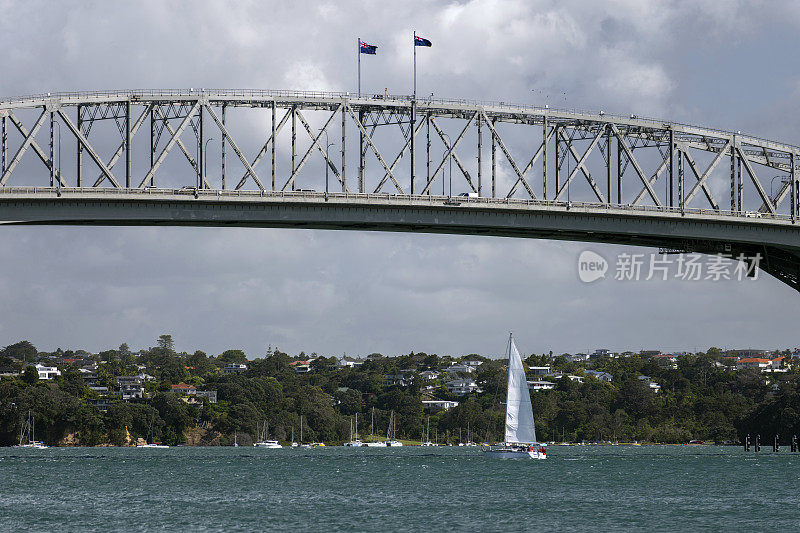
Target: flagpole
[415, 64]
[413, 111]
[359, 66]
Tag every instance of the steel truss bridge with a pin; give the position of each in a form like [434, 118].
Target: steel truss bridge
[141, 158]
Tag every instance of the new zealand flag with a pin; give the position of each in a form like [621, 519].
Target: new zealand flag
[420, 41]
[368, 48]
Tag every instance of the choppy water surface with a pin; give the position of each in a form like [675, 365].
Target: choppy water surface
[576, 488]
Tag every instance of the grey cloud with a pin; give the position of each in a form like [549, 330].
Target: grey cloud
[333, 292]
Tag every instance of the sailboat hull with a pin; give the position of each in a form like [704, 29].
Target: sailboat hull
[515, 453]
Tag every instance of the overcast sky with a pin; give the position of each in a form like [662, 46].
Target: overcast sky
[726, 64]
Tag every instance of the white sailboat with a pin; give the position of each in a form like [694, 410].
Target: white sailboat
[427, 441]
[374, 443]
[29, 430]
[391, 434]
[263, 441]
[354, 442]
[520, 432]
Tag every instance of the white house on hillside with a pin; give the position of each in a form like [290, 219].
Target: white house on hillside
[47, 372]
[463, 386]
[541, 385]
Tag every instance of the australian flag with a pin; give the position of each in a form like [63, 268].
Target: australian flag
[420, 41]
[368, 48]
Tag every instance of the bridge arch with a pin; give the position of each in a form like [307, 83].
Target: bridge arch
[142, 157]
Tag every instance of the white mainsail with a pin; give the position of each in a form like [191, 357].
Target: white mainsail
[519, 413]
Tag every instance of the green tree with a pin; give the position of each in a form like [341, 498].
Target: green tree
[23, 350]
[166, 343]
[30, 375]
[233, 356]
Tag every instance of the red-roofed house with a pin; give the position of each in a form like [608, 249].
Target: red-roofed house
[302, 367]
[753, 362]
[183, 388]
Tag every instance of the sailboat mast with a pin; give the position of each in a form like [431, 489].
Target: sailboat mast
[508, 383]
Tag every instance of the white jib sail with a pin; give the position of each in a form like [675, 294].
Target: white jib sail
[519, 413]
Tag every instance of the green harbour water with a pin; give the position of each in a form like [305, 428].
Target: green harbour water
[578, 488]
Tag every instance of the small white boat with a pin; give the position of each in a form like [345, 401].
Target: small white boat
[267, 444]
[263, 441]
[520, 433]
[152, 445]
[378, 444]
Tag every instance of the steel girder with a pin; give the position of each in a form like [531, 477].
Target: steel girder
[659, 164]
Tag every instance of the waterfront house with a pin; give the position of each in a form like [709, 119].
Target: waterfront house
[602, 376]
[183, 388]
[302, 367]
[210, 395]
[131, 391]
[234, 368]
[462, 386]
[350, 362]
[100, 403]
[655, 387]
[576, 358]
[753, 362]
[602, 352]
[436, 405]
[475, 363]
[396, 379]
[541, 385]
[539, 370]
[47, 372]
[777, 364]
[429, 374]
[456, 368]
